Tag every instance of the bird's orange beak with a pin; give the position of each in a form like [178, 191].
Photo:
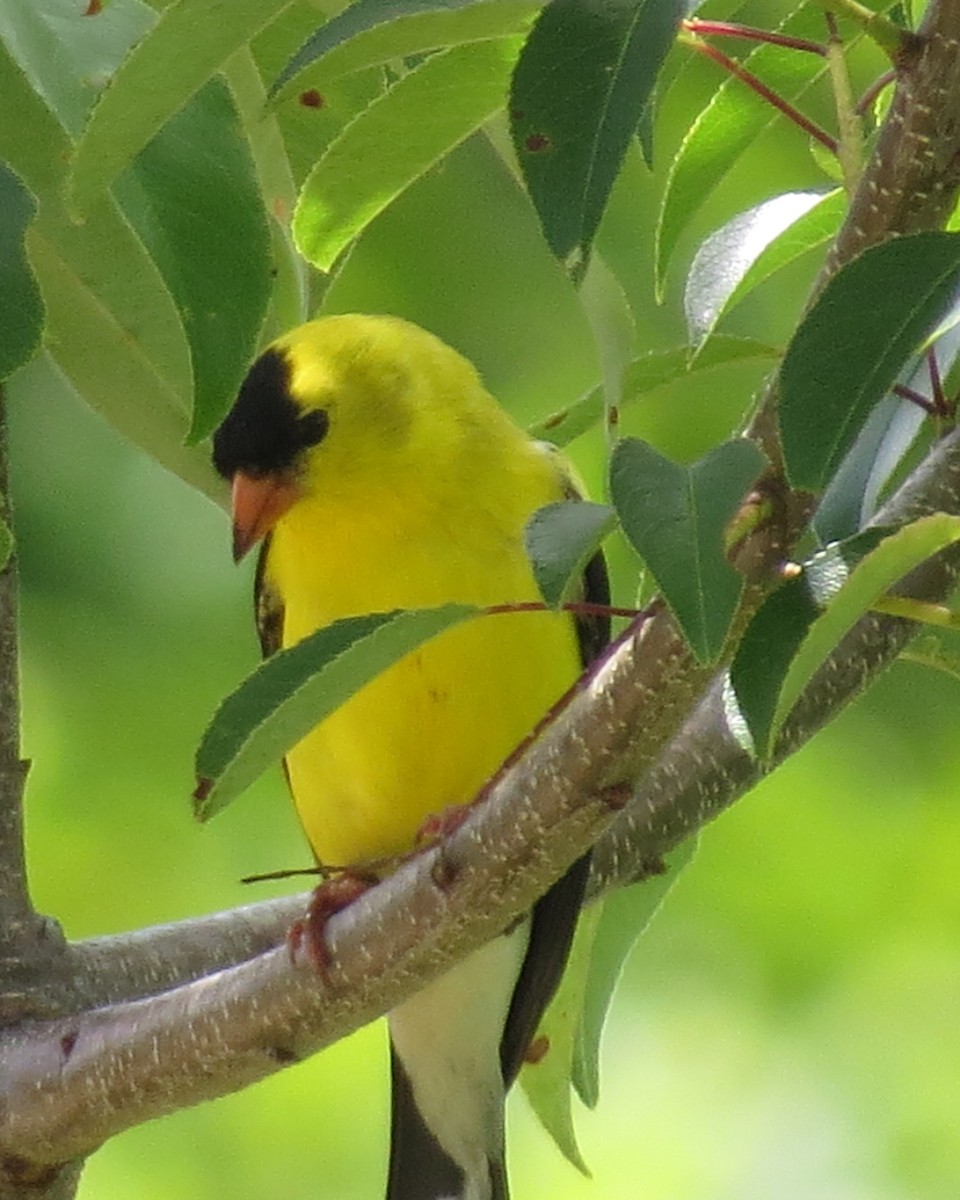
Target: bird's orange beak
[258, 503]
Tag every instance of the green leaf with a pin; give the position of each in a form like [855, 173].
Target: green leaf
[373, 32]
[852, 343]
[675, 518]
[546, 1082]
[114, 332]
[21, 308]
[68, 57]
[275, 188]
[561, 538]
[932, 650]
[798, 627]
[395, 140]
[34, 145]
[643, 376]
[215, 257]
[190, 41]
[626, 915]
[750, 248]
[854, 492]
[849, 500]
[291, 692]
[730, 124]
[611, 322]
[584, 78]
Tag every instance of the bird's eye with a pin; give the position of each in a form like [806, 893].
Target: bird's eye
[312, 427]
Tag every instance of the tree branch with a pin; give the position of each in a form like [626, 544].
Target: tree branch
[221, 1032]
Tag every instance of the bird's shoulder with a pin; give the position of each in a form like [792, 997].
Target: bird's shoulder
[593, 587]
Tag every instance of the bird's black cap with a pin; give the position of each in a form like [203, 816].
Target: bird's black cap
[265, 431]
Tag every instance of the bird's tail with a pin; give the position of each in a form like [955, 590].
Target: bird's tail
[420, 1169]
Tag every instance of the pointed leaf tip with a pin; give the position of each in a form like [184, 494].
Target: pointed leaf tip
[676, 518]
[584, 79]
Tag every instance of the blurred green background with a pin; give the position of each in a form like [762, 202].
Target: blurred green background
[789, 1026]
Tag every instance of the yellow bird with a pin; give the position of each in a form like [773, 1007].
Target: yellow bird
[382, 475]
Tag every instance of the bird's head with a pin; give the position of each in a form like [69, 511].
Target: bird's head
[339, 399]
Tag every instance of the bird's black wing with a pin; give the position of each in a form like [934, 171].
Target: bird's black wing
[554, 916]
[268, 608]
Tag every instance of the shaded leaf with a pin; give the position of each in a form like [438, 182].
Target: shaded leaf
[372, 32]
[644, 375]
[584, 78]
[749, 249]
[561, 538]
[626, 915]
[853, 342]
[67, 57]
[546, 1082]
[215, 257]
[800, 624]
[675, 517]
[188, 43]
[854, 493]
[34, 144]
[115, 333]
[395, 140]
[847, 504]
[296, 688]
[21, 308]
[611, 322]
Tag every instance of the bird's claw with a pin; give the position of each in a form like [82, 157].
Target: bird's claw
[310, 932]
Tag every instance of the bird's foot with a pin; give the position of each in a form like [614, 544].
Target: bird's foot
[332, 896]
[440, 825]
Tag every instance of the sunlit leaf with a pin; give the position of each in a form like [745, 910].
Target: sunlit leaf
[395, 140]
[800, 624]
[372, 32]
[296, 688]
[731, 123]
[749, 249]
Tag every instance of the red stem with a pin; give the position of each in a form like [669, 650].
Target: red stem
[941, 403]
[908, 393]
[580, 608]
[874, 90]
[755, 84]
[751, 34]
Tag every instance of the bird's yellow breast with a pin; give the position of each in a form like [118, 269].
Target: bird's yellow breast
[432, 729]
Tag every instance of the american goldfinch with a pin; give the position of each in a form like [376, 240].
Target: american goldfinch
[380, 474]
